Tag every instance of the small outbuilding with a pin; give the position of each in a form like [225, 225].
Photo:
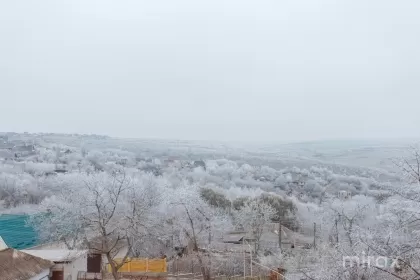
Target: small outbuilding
[67, 263]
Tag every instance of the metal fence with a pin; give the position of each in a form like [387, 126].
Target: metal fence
[83, 275]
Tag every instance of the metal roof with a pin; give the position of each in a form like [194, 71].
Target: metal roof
[16, 233]
[236, 236]
[57, 255]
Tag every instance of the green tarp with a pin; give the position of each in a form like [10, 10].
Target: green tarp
[16, 232]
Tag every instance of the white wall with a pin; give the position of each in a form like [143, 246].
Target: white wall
[42, 276]
[50, 246]
[3, 244]
[74, 267]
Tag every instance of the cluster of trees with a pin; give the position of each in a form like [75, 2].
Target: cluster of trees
[110, 198]
[130, 208]
[105, 212]
[364, 237]
[311, 184]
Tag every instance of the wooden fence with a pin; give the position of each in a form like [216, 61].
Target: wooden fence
[141, 265]
[183, 266]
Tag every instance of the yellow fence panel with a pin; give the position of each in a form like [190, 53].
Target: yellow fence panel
[157, 265]
[141, 265]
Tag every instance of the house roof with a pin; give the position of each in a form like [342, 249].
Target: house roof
[5, 153]
[57, 255]
[236, 236]
[16, 265]
[16, 233]
[28, 148]
[230, 238]
[6, 145]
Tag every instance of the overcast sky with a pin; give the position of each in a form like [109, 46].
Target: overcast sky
[281, 70]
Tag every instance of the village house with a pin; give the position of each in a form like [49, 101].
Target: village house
[343, 195]
[90, 269]
[235, 240]
[16, 234]
[6, 145]
[172, 162]
[67, 263]
[24, 150]
[86, 263]
[94, 262]
[6, 154]
[238, 237]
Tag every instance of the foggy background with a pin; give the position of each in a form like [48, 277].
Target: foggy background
[211, 70]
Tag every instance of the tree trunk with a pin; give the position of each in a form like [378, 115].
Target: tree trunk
[204, 271]
[113, 266]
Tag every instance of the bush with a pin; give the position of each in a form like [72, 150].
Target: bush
[214, 198]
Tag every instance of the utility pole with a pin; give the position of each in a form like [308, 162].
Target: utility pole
[243, 248]
[280, 229]
[336, 231]
[314, 235]
[250, 249]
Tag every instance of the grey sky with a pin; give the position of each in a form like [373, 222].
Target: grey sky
[227, 70]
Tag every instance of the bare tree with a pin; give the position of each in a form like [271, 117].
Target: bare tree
[105, 212]
[396, 235]
[198, 225]
[410, 165]
[254, 217]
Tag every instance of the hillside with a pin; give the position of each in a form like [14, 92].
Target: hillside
[164, 195]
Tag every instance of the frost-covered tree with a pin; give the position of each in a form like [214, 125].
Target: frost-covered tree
[410, 165]
[19, 189]
[285, 209]
[253, 217]
[197, 223]
[396, 233]
[105, 212]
